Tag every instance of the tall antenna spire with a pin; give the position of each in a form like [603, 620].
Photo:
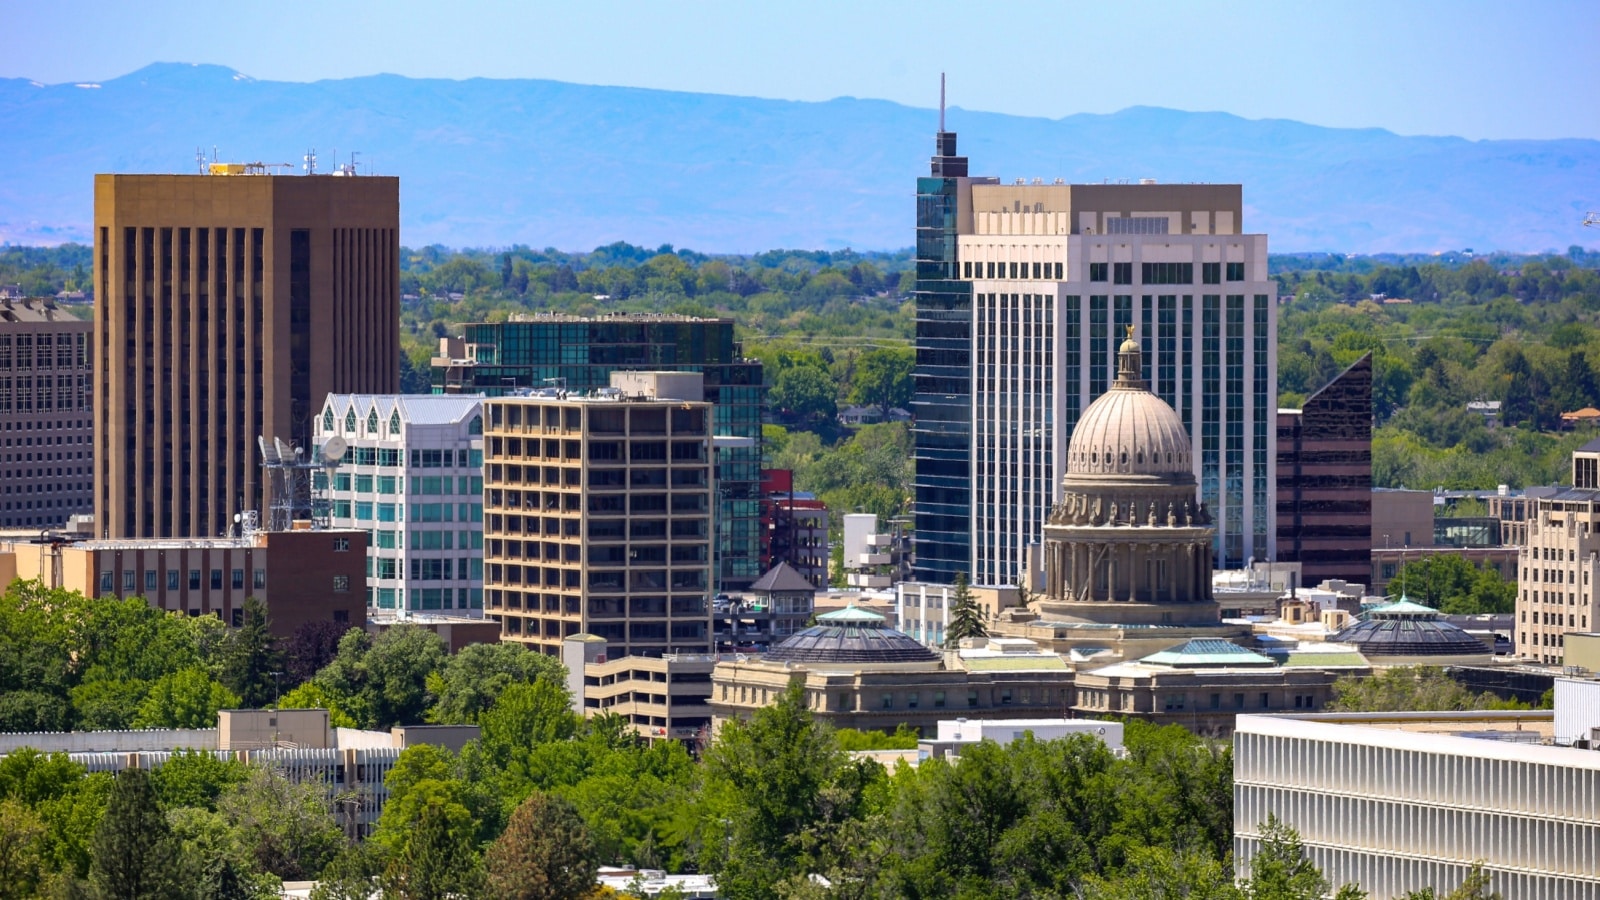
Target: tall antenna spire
[941, 101]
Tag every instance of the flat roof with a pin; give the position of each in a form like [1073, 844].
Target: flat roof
[1429, 732]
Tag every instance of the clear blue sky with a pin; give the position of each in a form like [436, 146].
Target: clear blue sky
[1474, 69]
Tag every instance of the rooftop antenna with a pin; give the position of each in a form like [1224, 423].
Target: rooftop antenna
[200, 159]
[941, 101]
[311, 161]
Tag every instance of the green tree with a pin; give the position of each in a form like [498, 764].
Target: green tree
[22, 835]
[1280, 869]
[135, 855]
[883, 379]
[196, 778]
[351, 875]
[1406, 688]
[1474, 887]
[525, 715]
[1157, 873]
[251, 656]
[546, 853]
[804, 393]
[312, 695]
[768, 778]
[437, 860]
[284, 827]
[184, 699]
[966, 617]
[472, 679]
[1455, 586]
[382, 681]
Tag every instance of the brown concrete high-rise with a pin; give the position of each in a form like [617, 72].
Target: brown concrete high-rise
[229, 306]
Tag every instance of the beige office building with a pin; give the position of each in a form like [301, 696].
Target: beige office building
[1559, 564]
[229, 306]
[44, 414]
[597, 515]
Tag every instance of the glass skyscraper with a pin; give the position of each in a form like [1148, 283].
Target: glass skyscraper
[1024, 292]
[580, 353]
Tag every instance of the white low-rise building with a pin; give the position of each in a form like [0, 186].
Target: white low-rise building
[1395, 802]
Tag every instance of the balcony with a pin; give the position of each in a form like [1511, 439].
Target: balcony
[873, 559]
[865, 580]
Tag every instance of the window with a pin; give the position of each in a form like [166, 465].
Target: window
[341, 584]
[327, 421]
[1122, 273]
[394, 422]
[216, 579]
[1236, 271]
[150, 580]
[888, 701]
[1097, 271]
[912, 700]
[341, 616]
[1167, 273]
[1211, 273]
[972, 699]
[938, 699]
[372, 422]
[1265, 701]
[238, 579]
[260, 579]
[127, 581]
[106, 582]
[194, 579]
[350, 422]
[341, 544]
[172, 579]
[966, 269]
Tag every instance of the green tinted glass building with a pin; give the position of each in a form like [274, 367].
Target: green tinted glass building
[580, 353]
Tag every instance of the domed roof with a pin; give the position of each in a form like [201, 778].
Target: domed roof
[850, 635]
[1404, 628]
[1128, 430]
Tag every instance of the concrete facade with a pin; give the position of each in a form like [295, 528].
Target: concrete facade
[228, 307]
[1400, 801]
[1558, 577]
[597, 520]
[45, 415]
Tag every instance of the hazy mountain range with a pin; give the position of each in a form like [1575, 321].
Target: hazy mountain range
[544, 163]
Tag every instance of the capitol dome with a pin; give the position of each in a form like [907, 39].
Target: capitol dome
[1128, 430]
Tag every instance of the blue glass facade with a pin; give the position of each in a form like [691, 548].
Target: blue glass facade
[582, 353]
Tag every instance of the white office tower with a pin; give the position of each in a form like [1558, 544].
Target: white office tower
[1059, 273]
[410, 474]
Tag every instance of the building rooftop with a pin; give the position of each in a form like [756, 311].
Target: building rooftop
[1404, 628]
[1208, 653]
[1517, 736]
[36, 309]
[783, 578]
[416, 409]
[856, 636]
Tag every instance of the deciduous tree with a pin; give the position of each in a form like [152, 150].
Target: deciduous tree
[546, 853]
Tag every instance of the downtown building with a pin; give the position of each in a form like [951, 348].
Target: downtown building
[1558, 577]
[1324, 488]
[228, 307]
[411, 477]
[597, 515]
[577, 354]
[1023, 293]
[45, 418]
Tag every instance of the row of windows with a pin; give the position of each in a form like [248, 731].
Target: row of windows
[1039, 271]
[28, 394]
[395, 485]
[175, 580]
[34, 349]
[1165, 273]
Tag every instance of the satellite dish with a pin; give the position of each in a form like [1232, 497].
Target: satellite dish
[334, 450]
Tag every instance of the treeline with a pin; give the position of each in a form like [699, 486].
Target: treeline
[46, 271]
[775, 808]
